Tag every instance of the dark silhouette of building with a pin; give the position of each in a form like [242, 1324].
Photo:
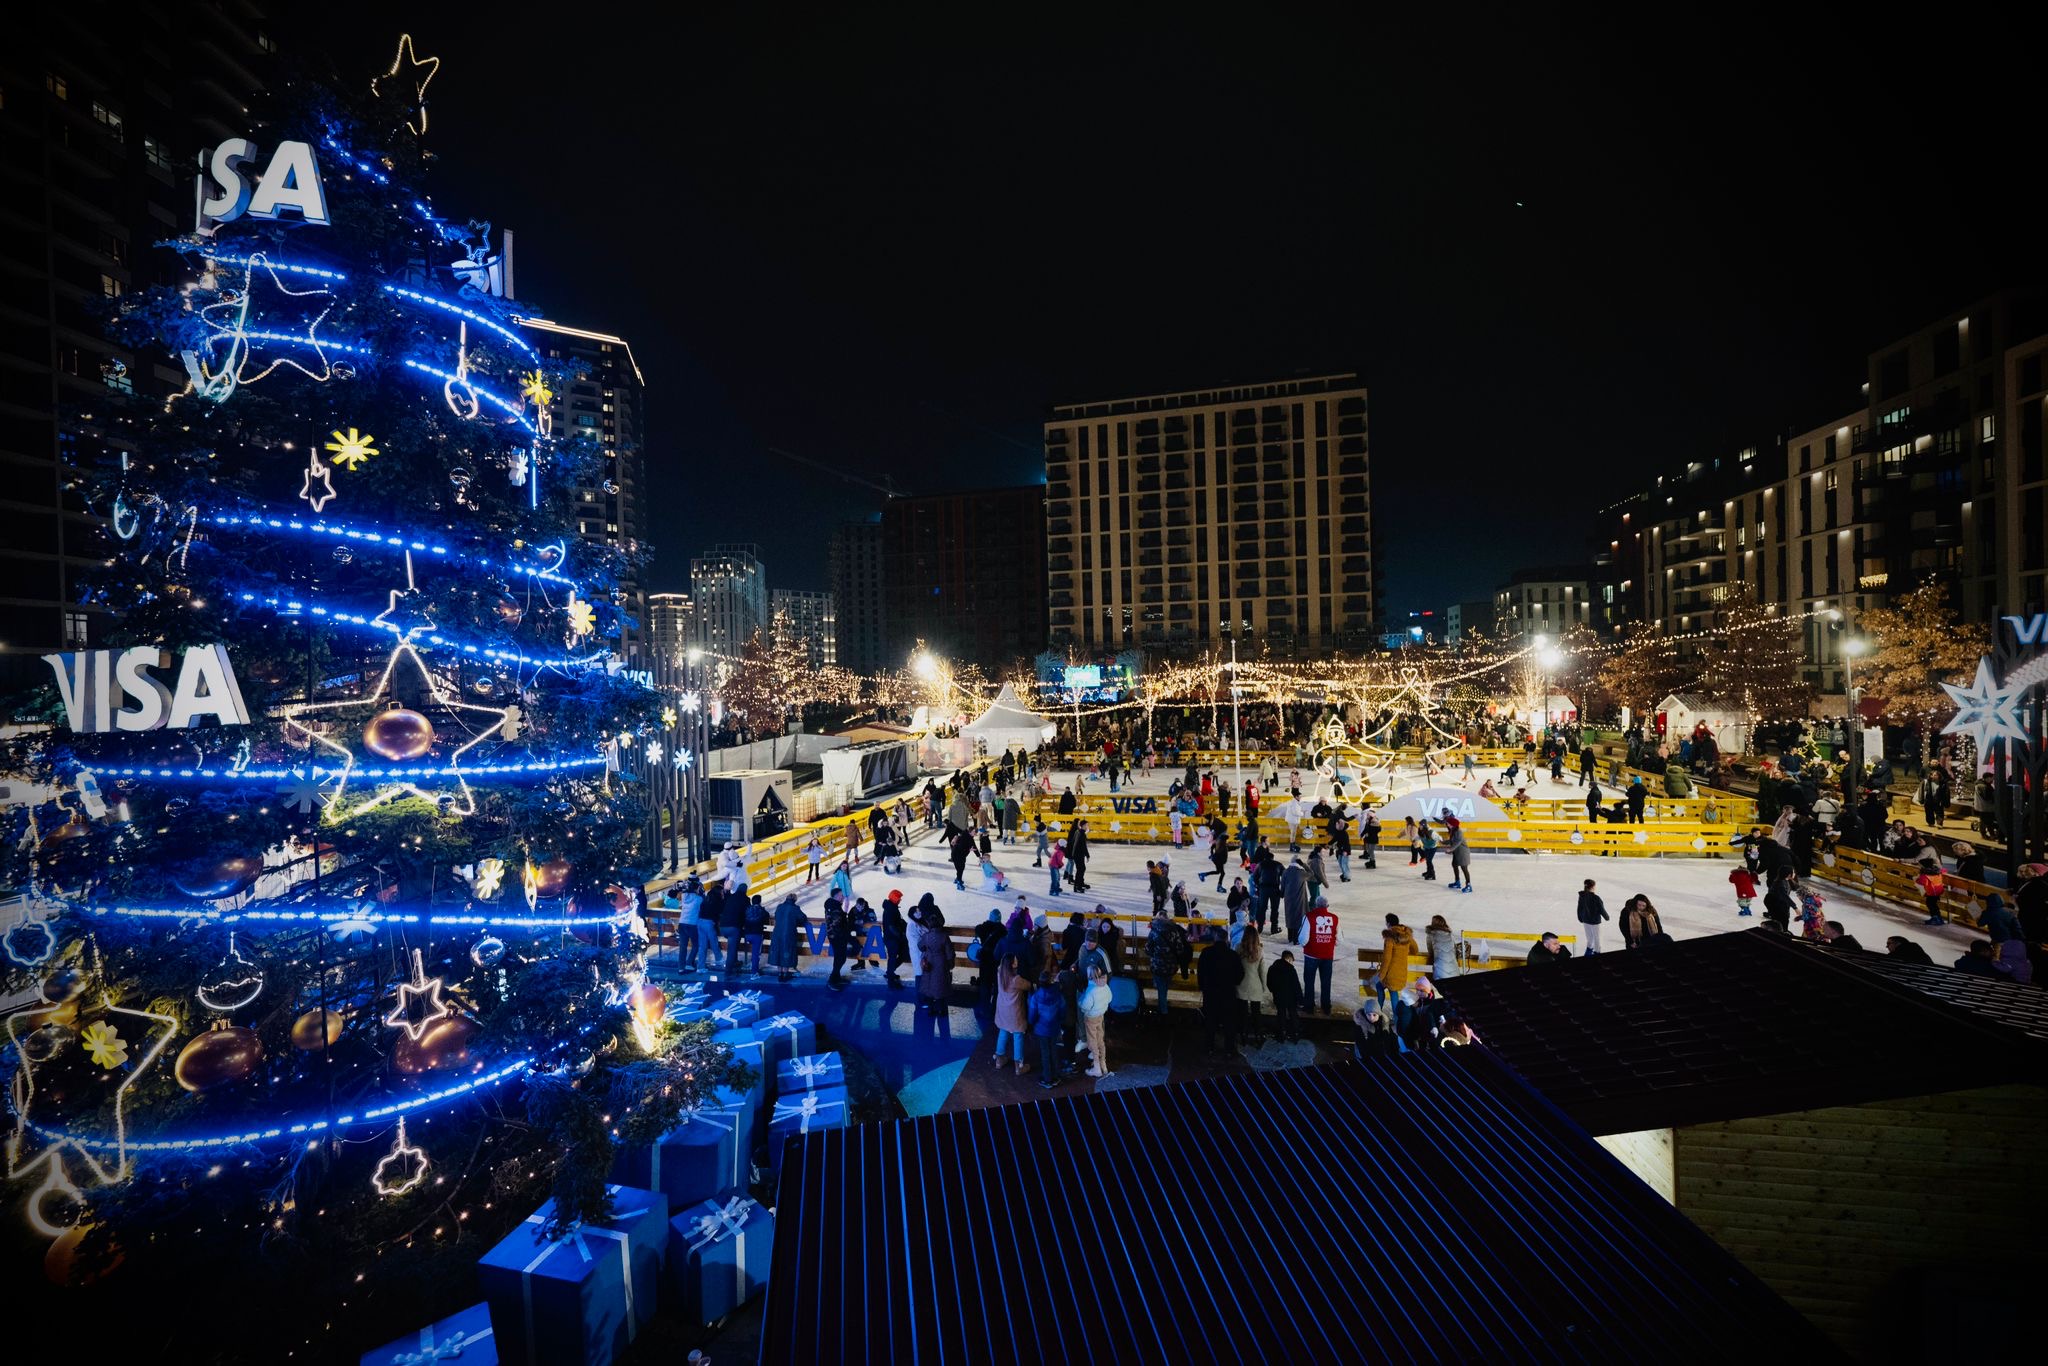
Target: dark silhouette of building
[103, 116]
[965, 573]
[856, 571]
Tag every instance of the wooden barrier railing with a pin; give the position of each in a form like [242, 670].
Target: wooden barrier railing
[1732, 807]
[1470, 956]
[1888, 879]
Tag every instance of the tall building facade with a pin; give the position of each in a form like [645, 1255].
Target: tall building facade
[669, 618]
[1541, 602]
[2023, 480]
[810, 618]
[860, 625]
[606, 403]
[965, 573]
[1178, 520]
[728, 599]
[101, 128]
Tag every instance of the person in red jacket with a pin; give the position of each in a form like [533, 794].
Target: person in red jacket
[1744, 883]
[1318, 957]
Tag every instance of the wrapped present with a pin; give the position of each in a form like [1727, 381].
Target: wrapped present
[706, 1156]
[761, 1001]
[464, 1338]
[580, 1299]
[718, 1256]
[747, 1049]
[813, 1072]
[733, 1012]
[802, 1113]
[788, 1035]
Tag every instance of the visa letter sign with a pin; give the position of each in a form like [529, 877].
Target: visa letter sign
[114, 690]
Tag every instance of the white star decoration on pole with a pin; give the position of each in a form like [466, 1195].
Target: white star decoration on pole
[1987, 711]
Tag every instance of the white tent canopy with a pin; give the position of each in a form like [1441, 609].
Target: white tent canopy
[1681, 713]
[1009, 724]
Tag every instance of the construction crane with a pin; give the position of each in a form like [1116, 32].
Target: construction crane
[887, 488]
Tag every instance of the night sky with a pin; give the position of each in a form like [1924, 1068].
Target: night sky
[1565, 261]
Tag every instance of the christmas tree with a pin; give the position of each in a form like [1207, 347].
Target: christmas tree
[330, 940]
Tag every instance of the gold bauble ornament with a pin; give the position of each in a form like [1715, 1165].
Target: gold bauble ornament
[399, 734]
[442, 1046]
[215, 881]
[317, 1028]
[552, 877]
[509, 612]
[648, 1002]
[622, 900]
[219, 1056]
[60, 1259]
[70, 830]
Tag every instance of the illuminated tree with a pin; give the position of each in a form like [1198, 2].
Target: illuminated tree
[1917, 644]
[1757, 661]
[764, 685]
[1645, 670]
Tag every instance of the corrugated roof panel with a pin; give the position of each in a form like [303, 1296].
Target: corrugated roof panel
[1418, 1209]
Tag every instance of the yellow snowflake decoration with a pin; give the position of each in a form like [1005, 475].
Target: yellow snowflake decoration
[582, 619]
[353, 449]
[533, 387]
[490, 876]
[668, 717]
[104, 1044]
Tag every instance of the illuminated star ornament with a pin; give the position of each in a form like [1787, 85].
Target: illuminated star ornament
[1987, 711]
[352, 449]
[318, 489]
[398, 779]
[234, 325]
[104, 1044]
[419, 1002]
[406, 614]
[408, 69]
[401, 1169]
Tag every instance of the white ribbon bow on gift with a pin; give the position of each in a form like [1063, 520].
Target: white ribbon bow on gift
[445, 1350]
[803, 1111]
[728, 1014]
[718, 1117]
[808, 1070]
[712, 1228]
[747, 997]
[574, 1234]
[793, 1023]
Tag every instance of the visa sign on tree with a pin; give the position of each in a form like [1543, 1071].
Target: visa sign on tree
[111, 690]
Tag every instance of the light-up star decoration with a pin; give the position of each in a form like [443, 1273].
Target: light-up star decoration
[107, 1047]
[408, 69]
[400, 779]
[318, 488]
[351, 449]
[407, 613]
[1988, 711]
[228, 359]
[401, 1169]
[419, 1002]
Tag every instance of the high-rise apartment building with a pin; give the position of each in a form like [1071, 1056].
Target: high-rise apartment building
[729, 599]
[965, 574]
[1467, 622]
[102, 120]
[1541, 602]
[669, 617]
[856, 571]
[809, 618]
[1180, 519]
[606, 402]
[2023, 480]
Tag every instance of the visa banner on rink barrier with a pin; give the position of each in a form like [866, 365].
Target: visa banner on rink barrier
[114, 690]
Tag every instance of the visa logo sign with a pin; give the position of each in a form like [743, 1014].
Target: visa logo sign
[2028, 630]
[289, 180]
[1134, 805]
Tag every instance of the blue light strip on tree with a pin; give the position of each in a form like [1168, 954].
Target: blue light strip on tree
[479, 319]
[322, 344]
[215, 915]
[369, 535]
[519, 1067]
[387, 773]
[293, 606]
[291, 268]
[495, 399]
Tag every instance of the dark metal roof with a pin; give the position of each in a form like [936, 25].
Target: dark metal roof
[1729, 1027]
[1996, 1000]
[1419, 1208]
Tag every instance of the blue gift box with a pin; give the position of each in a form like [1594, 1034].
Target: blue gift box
[761, 1001]
[578, 1300]
[718, 1256]
[788, 1035]
[747, 1048]
[733, 1012]
[814, 1072]
[707, 1155]
[804, 1112]
[464, 1338]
